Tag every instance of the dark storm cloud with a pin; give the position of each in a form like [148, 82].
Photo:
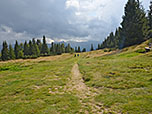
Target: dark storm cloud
[24, 19]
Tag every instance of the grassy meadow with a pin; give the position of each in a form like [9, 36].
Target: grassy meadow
[122, 81]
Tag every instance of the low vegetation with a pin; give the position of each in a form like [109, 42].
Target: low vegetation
[123, 79]
[112, 82]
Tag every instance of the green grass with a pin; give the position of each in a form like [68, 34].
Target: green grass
[25, 86]
[124, 80]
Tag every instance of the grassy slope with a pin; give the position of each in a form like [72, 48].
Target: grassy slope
[123, 81]
[36, 87]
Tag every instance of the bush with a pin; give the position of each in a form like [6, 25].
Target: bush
[86, 79]
[140, 51]
[105, 50]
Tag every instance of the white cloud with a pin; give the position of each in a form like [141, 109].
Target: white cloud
[49, 40]
[8, 33]
[78, 20]
[72, 3]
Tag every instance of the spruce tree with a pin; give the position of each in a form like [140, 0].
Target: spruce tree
[21, 53]
[30, 48]
[68, 48]
[39, 44]
[16, 50]
[76, 50]
[99, 46]
[132, 24]
[62, 48]
[35, 51]
[26, 49]
[91, 47]
[79, 50]
[11, 52]
[44, 49]
[52, 48]
[5, 52]
[150, 20]
[59, 50]
[150, 15]
[84, 50]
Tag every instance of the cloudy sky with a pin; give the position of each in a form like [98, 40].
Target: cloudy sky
[60, 20]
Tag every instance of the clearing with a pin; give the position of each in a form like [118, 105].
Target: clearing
[97, 82]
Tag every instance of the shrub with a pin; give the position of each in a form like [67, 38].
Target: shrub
[105, 50]
[141, 51]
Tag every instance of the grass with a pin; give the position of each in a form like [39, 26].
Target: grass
[122, 80]
[25, 87]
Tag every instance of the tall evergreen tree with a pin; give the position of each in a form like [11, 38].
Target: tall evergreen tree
[76, 50]
[44, 49]
[132, 24]
[26, 49]
[39, 44]
[16, 50]
[59, 51]
[99, 46]
[5, 52]
[11, 52]
[34, 47]
[35, 51]
[79, 49]
[30, 47]
[150, 20]
[91, 47]
[84, 50]
[62, 48]
[150, 15]
[68, 48]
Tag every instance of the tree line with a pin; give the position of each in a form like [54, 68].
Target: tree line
[33, 49]
[135, 28]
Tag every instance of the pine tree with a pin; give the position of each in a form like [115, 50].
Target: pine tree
[150, 15]
[44, 49]
[16, 50]
[84, 50]
[99, 46]
[35, 51]
[76, 50]
[20, 54]
[59, 49]
[91, 47]
[30, 48]
[62, 48]
[132, 24]
[26, 49]
[5, 52]
[79, 50]
[39, 44]
[68, 48]
[11, 52]
[150, 20]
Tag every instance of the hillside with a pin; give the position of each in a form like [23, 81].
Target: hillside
[97, 82]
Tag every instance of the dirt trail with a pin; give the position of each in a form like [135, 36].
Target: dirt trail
[77, 86]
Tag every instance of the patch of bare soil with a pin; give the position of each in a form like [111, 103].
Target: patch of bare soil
[77, 86]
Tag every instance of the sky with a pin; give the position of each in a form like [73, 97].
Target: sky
[60, 20]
